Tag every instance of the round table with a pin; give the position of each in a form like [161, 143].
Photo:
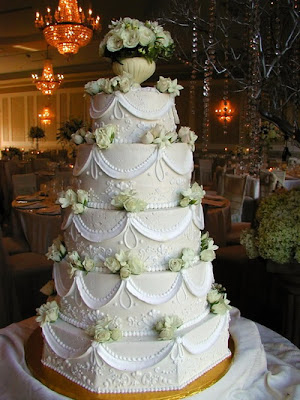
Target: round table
[265, 366]
[38, 228]
[217, 220]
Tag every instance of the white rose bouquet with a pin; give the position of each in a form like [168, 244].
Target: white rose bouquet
[193, 195]
[207, 252]
[217, 299]
[121, 83]
[105, 135]
[187, 258]
[78, 201]
[125, 263]
[166, 85]
[47, 313]
[126, 200]
[129, 38]
[159, 136]
[104, 330]
[77, 264]
[167, 327]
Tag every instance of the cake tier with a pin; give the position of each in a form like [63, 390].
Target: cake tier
[136, 302]
[134, 112]
[157, 175]
[136, 364]
[154, 235]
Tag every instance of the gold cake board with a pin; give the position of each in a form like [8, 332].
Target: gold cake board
[57, 382]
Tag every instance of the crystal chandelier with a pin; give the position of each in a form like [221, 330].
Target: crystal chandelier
[69, 28]
[47, 84]
[46, 116]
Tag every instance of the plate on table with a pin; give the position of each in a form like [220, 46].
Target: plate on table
[29, 205]
[29, 198]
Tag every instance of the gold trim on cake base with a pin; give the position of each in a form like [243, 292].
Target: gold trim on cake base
[57, 382]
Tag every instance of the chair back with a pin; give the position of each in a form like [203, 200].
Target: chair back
[219, 179]
[24, 184]
[267, 183]
[234, 190]
[40, 164]
[205, 171]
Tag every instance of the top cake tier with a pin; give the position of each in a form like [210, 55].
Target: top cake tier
[135, 112]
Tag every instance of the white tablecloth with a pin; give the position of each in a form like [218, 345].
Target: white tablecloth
[291, 183]
[260, 353]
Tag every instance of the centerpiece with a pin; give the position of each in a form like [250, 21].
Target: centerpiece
[36, 133]
[134, 46]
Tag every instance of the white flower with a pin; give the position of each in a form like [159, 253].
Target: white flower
[134, 205]
[146, 36]
[188, 257]
[57, 250]
[136, 265]
[69, 199]
[125, 272]
[167, 327]
[114, 43]
[105, 135]
[125, 82]
[187, 136]
[175, 264]
[147, 138]
[163, 84]
[47, 313]
[88, 264]
[165, 38]
[207, 255]
[92, 88]
[77, 139]
[193, 195]
[112, 264]
[82, 196]
[130, 38]
[78, 208]
[174, 88]
[221, 307]
[214, 296]
[74, 257]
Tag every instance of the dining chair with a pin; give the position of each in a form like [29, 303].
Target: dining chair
[267, 183]
[24, 184]
[22, 276]
[234, 191]
[40, 164]
[205, 171]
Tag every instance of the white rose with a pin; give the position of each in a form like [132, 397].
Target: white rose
[88, 264]
[112, 264]
[77, 139]
[134, 205]
[74, 257]
[125, 272]
[163, 84]
[114, 43]
[101, 83]
[188, 256]
[166, 334]
[207, 255]
[102, 335]
[130, 39]
[214, 296]
[91, 88]
[222, 307]
[146, 36]
[82, 196]
[107, 88]
[147, 138]
[53, 254]
[125, 83]
[136, 265]
[78, 208]
[175, 264]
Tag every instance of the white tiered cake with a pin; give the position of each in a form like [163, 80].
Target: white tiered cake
[135, 310]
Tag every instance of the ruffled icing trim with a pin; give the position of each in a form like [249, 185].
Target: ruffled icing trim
[96, 294]
[153, 106]
[135, 355]
[111, 161]
[127, 223]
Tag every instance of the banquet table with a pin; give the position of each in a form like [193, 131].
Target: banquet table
[39, 222]
[291, 183]
[270, 359]
[217, 219]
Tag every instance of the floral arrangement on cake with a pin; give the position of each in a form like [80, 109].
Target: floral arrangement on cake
[125, 263]
[276, 234]
[193, 195]
[104, 330]
[162, 138]
[166, 85]
[129, 38]
[57, 251]
[217, 299]
[187, 258]
[126, 200]
[167, 327]
[122, 83]
[77, 264]
[208, 248]
[47, 313]
[77, 200]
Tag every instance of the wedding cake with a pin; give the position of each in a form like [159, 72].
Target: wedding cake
[136, 308]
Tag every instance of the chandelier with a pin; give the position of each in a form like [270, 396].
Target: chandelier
[47, 84]
[68, 29]
[224, 112]
[46, 115]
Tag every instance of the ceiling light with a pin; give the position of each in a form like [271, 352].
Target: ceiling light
[48, 84]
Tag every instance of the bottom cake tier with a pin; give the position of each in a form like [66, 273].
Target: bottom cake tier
[136, 364]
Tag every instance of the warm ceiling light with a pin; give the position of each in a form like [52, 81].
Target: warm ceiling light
[47, 84]
[225, 111]
[69, 28]
[46, 115]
